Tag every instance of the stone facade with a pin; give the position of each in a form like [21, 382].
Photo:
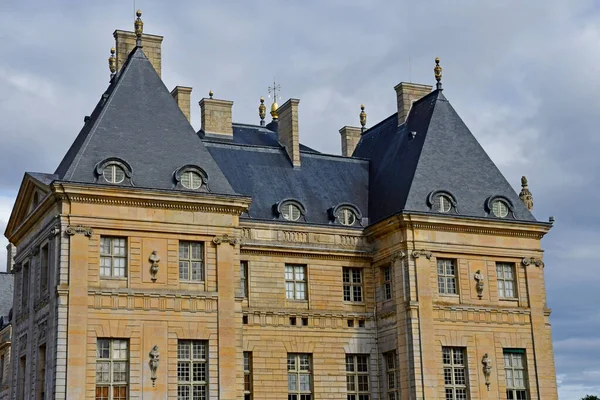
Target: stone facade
[125, 43]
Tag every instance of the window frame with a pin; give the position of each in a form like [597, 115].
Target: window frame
[112, 361]
[295, 282]
[190, 261]
[354, 375]
[502, 280]
[514, 389]
[388, 285]
[44, 266]
[113, 168]
[244, 278]
[352, 286]
[346, 216]
[391, 375]
[298, 372]
[455, 369]
[41, 372]
[248, 376]
[444, 277]
[191, 176]
[190, 362]
[288, 209]
[25, 282]
[112, 256]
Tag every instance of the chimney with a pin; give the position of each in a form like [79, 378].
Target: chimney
[216, 116]
[181, 95]
[406, 94]
[289, 134]
[125, 43]
[350, 138]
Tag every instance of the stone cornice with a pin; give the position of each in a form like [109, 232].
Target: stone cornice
[323, 254]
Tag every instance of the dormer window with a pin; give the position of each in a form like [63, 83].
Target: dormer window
[191, 177]
[443, 204]
[114, 170]
[442, 201]
[345, 214]
[290, 210]
[113, 174]
[500, 208]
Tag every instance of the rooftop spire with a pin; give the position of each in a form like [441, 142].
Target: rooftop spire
[273, 93]
[262, 111]
[363, 118]
[438, 74]
[139, 28]
[112, 63]
[525, 195]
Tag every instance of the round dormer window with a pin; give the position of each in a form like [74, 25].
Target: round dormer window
[290, 211]
[191, 180]
[443, 203]
[500, 208]
[113, 174]
[346, 216]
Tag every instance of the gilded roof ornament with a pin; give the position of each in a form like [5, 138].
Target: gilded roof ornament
[525, 195]
[363, 118]
[438, 73]
[139, 28]
[210, 94]
[112, 63]
[262, 111]
[273, 90]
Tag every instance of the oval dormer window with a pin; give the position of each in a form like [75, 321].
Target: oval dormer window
[346, 216]
[191, 180]
[290, 211]
[443, 203]
[113, 173]
[500, 208]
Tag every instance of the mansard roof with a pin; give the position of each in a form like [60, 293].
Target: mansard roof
[138, 123]
[432, 151]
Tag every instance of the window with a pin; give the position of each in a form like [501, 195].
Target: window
[244, 278]
[352, 278]
[25, 287]
[455, 375]
[290, 211]
[41, 375]
[505, 273]
[295, 282]
[443, 204]
[299, 377]
[112, 375]
[500, 208]
[387, 282]
[1, 369]
[516, 375]
[191, 266]
[44, 268]
[113, 256]
[192, 370]
[113, 174]
[446, 276]
[391, 372]
[21, 378]
[191, 180]
[247, 375]
[346, 216]
[357, 377]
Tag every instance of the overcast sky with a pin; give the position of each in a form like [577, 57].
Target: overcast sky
[522, 75]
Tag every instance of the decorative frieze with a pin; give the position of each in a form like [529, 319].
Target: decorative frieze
[481, 315]
[79, 229]
[152, 302]
[292, 236]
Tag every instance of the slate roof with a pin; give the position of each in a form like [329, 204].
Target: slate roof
[6, 294]
[138, 121]
[444, 155]
[266, 174]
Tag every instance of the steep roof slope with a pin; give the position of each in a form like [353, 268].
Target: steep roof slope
[138, 121]
[442, 155]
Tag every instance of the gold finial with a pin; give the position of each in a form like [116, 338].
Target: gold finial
[139, 28]
[112, 62]
[273, 92]
[210, 94]
[525, 195]
[274, 108]
[438, 73]
[363, 117]
[262, 111]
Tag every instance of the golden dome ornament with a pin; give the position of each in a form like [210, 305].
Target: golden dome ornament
[437, 71]
[112, 63]
[139, 28]
[363, 118]
[262, 111]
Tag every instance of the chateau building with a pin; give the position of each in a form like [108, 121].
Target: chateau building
[233, 262]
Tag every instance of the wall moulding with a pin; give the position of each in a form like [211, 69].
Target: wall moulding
[79, 229]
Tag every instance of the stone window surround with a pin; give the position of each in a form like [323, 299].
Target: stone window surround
[190, 261]
[357, 378]
[188, 363]
[295, 282]
[299, 366]
[112, 256]
[248, 378]
[445, 289]
[354, 288]
[455, 370]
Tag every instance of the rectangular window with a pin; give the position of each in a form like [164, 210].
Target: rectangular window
[21, 378]
[446, 276]
[44, 268]
[191, 265]
[516, 374]
[391, 372]
[505, 273]
[113, 257]
[112, 374]
[192, 370]
[353, 289]
[295, 282]
[299, 377]
[25, 287]
[41, 374]
[387, 282]
[244, 278]
[455, 373]
[357, 377]
[247, 375]
[1, 369]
